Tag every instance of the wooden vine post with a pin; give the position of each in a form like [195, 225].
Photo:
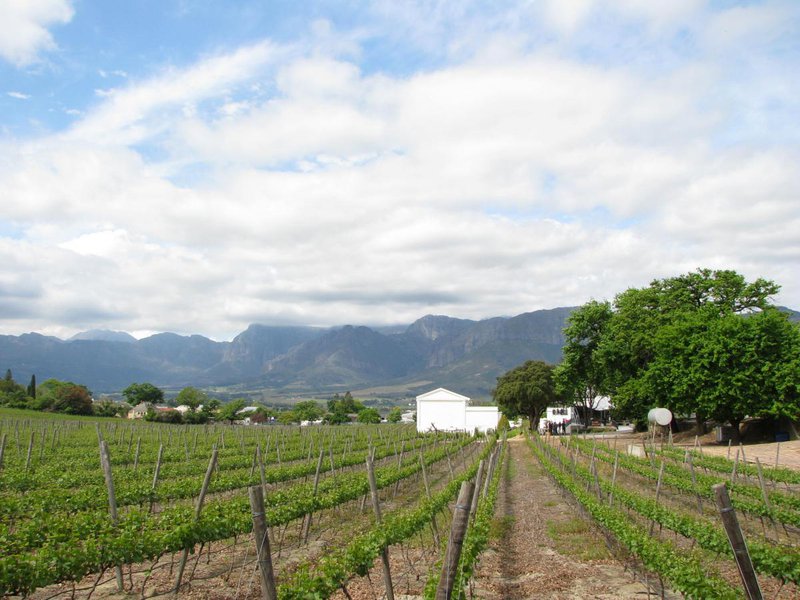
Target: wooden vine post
[737, 542]
[136, 458]
[155, 475]
[476, 494]
[458, 531]
[694, 486]
[268, 591]
[434, 526]
[105, 463]
[373, 488]
[490, 471]
[198, 509]
[658, 493]
[307, 522]
[30, 449]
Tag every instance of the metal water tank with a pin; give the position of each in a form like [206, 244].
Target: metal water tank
[660, 416]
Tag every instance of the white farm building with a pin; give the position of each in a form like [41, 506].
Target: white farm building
[444, 410]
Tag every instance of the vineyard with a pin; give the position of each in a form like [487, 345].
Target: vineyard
[660, 510]
[130, 509]
[145, 510]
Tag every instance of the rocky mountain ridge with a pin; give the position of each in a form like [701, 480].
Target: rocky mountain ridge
[434, 349]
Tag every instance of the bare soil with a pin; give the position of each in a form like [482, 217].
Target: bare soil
[545, 548]
[787, 456]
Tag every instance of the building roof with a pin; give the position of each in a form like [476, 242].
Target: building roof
[442, 394]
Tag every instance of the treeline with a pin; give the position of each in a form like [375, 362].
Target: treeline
[708, 344]
[198, 407]
[52, 395]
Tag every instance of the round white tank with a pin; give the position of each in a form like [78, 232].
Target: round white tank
[661, 416]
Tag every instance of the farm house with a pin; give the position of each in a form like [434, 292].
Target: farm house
[576, 414]
[444, 410]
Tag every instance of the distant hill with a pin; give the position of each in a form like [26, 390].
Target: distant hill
[794, 315]
[104, 335]
[464, 354]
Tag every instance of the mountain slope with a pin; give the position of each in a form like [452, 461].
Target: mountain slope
[467, 355]
[104, 335]
[346, 356]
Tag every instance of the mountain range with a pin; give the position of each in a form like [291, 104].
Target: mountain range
[279, 361]
[433, 351]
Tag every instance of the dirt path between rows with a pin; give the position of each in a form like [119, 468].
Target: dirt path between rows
[542, 547]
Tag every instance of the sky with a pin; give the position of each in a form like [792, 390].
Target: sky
[198, 166]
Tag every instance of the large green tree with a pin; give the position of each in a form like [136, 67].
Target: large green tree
[65, 396]
[230, 410]
[136, 393]
[728, 366]
[629, 344]
[395, 415]
[369, 415]
[527, 391]
[191, 397]
[12, 394]
[582, 376]
[308, 410]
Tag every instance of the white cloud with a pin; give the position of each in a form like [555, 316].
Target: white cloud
[24, 26]
[659, 15]
[294, 184]
[746, 25]
[18, 95]
[567, 15]
[132, 114]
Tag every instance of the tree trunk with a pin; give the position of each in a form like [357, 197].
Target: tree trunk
[700, 422]
[736, 435]
[533, 421]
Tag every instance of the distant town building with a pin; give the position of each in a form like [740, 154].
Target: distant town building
[408, 416]
[138, 411]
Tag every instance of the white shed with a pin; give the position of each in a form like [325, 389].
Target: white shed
[444, 410]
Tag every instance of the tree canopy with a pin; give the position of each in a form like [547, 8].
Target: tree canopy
[581, 376]
[66, 397]
[395, 415]
[369, 415]
[230, 410]
[527, 391]
[707, 342]
[191, 397]
[308, 410]
[11, 393]
[136, 393]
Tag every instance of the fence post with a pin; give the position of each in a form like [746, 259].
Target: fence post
[263, 552]
[458, 530]
[737, 542]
